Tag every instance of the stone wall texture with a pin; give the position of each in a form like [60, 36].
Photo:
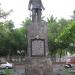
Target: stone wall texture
[38, 31]
[38, 66]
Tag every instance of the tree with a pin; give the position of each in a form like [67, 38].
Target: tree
[6, 37]
[54, 29]
[5, 32]
[67, 37]
[25, 25]
[4, 14]
[20, 37]
[52, 34]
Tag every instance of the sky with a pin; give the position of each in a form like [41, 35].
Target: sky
[57, 8]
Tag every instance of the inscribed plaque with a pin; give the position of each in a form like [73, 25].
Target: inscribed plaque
[38, 48]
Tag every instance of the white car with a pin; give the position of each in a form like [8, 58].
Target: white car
[6, 65]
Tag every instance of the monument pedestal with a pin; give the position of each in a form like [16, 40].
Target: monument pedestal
[38, 39]
[37, 62]
[38, 66]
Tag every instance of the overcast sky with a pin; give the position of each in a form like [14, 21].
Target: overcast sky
[57, 8]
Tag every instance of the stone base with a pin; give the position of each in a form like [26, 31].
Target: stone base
[38, 66]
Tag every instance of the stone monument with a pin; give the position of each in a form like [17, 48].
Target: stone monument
[37, 61]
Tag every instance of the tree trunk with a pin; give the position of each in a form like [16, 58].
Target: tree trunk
[60, 56]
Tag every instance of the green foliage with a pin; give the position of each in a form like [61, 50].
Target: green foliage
[8, 71]
[66, 39]
[54, 29]
[13, 40]
[68, 35]
[5, 36]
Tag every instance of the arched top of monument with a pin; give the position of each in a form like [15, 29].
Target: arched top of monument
[35, 4]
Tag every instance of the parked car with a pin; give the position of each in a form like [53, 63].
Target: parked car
[6, 65]
[2, 72]
[70, 61]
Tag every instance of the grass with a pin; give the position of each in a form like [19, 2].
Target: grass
[8, 71]
[67, 72]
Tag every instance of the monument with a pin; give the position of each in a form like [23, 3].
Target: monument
[37, 61]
